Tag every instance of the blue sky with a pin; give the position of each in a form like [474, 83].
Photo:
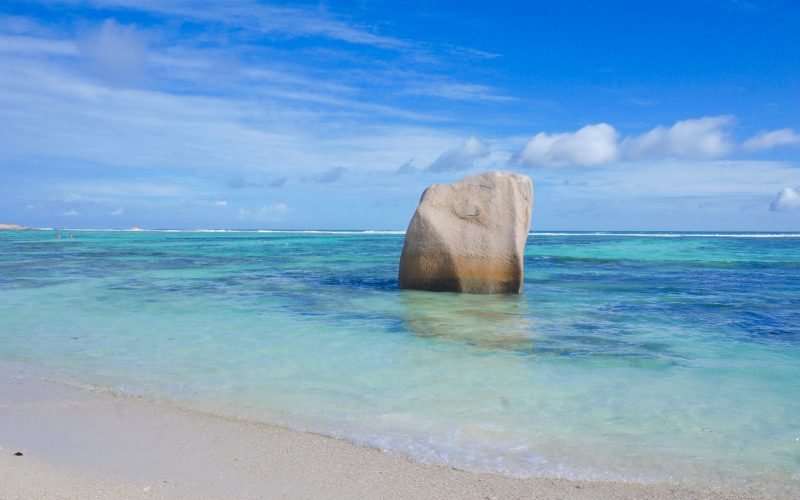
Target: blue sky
[673, 115]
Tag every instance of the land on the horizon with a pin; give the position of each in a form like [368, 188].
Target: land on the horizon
[12, 227]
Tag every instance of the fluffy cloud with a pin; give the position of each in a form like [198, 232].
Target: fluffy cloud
[590, 145]
[768, 140]
[787, 199]
[267, 213]
[701, 138]
[460, 158]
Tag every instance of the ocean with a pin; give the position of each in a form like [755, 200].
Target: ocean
[628, 357]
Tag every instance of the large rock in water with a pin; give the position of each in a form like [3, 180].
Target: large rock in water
[469, 236]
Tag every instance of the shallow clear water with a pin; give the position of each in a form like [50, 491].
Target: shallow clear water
[629, 357]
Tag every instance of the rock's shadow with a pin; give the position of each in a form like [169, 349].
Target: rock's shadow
[491, 322]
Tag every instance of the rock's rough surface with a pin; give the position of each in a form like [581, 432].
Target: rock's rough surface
[469, 236]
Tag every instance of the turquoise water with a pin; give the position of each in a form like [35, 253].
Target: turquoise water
[642, 357]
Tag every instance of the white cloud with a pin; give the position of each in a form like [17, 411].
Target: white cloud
[769, 140]
[262, 19]
[704, 138]
[267, 213]
[258, 19]
[460, 158]
[50, 109]
[208, 106]
[700, 138]
[119, 211]
[787, 199]
[70, 213]
[590, 145]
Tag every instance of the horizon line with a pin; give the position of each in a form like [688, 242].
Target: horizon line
[541, 232]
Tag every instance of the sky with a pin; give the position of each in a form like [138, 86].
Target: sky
[628, 115]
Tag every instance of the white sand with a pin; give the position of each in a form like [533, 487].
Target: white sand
[81, 443]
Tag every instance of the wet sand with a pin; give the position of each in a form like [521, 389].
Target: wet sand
[89, 443]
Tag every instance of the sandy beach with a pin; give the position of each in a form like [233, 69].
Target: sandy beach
[88, 443]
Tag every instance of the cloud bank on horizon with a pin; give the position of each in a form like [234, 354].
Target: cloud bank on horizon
[179, 113]
[693, 139]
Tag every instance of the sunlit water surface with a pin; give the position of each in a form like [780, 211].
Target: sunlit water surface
[642, 357]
